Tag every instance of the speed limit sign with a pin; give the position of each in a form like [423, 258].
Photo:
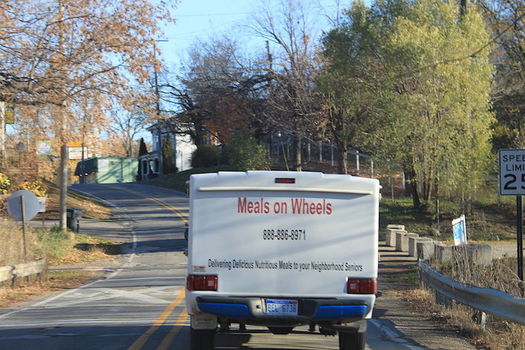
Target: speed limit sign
[512, 172]
[512, 183]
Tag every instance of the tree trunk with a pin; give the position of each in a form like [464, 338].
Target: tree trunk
[298, 152]
[342, 160]
[412, 187]
[200, 134]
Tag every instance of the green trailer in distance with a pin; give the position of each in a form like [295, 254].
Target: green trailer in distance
[107, 170]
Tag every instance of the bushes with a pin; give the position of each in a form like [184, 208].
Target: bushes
[244, 153]
[37, 187]
[205, 156]
[5, 183]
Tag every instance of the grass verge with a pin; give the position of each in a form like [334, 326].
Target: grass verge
[490, 218]
[59, 249]
[70, 249]
[55, 281]
[91, 207]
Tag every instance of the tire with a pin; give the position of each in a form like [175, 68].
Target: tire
[202, 339]
[352, 341]
[281, 330]
[224, 325]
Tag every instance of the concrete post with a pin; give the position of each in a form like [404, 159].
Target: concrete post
[402, 241]
[412, 244]
[480, 254]
[475, 254]
[425, 250]
[443, 253]
[390, 238]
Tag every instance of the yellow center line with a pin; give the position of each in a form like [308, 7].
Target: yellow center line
[179, 323]
[181, 320]
[139, 343]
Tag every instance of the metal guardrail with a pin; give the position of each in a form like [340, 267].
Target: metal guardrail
[11, 273]
[488, 300]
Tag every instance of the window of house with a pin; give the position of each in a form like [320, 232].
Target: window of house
[155, 142]
[156, 166]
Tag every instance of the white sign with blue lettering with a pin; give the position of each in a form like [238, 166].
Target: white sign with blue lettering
[459, 230]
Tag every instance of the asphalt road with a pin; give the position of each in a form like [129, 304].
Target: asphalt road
[140, 304]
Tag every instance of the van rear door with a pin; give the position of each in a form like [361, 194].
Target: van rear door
[283, 234]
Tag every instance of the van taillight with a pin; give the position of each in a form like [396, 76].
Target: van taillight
[361, 286]
[284, 180]
[202, 282]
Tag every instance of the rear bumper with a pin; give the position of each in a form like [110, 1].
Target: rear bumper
[309, 310]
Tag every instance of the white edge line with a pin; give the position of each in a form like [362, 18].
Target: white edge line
[393, 336]
[110, 276]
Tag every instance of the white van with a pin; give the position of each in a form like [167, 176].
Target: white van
[282, 249]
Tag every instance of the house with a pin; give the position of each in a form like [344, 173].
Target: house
[171, 152]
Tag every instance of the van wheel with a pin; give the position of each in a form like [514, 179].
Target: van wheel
[202, 339]
[352, 341]
[224, 325]
[281, 330]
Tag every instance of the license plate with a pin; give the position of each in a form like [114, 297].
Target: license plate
[279, 307]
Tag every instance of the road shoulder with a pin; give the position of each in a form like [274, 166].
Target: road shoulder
[396, 280]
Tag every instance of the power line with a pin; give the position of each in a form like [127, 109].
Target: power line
[213, 14]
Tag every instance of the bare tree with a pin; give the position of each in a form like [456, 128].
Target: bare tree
[507, 20]
[218, 93]
[293, 68]
[126, 126]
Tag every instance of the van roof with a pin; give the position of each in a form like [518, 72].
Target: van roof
[268, 180]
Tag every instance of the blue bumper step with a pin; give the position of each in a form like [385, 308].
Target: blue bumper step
[323, 312]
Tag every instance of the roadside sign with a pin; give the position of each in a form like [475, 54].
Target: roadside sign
[512, 172]
[22, 205]
[75, 152]
[459, 230]
[512, 183]
[9, 113]
[43, 148]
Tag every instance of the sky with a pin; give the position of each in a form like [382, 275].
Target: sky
[205, 19]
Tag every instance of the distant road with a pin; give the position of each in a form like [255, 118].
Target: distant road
[140, 305]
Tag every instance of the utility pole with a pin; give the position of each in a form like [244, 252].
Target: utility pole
[269, 55]
[63, 146]
[157, 105]
[155, 75]
[2, 134]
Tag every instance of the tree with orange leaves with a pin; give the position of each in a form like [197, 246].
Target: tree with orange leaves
[60, 54]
